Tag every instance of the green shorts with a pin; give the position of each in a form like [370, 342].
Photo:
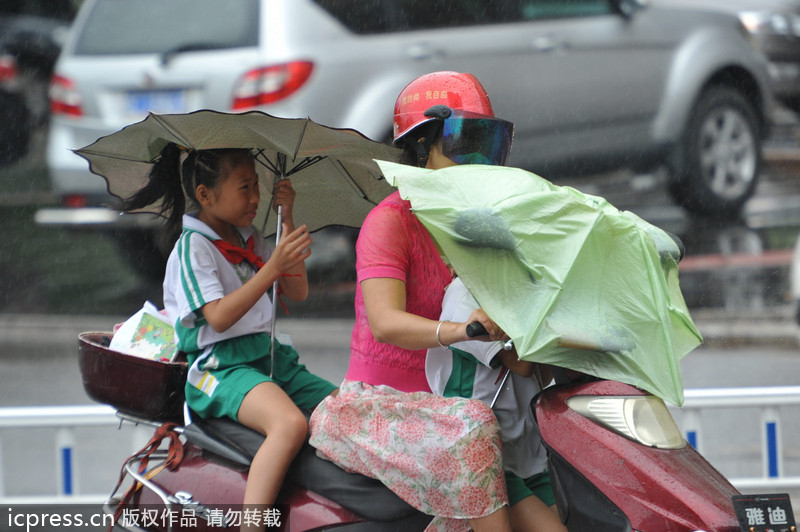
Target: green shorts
[538, 485]
[234, 381]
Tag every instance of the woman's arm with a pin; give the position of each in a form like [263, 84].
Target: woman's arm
[389, 322]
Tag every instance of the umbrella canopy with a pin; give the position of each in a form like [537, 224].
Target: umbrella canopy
[573, 281]
[332, 170]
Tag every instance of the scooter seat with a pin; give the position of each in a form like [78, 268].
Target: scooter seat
[362, 495]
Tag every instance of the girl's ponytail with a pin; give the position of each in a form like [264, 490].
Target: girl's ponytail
[164, 184]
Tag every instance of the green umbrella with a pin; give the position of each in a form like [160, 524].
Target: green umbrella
[573, 281]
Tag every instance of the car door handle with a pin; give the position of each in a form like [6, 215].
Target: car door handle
[547, 43]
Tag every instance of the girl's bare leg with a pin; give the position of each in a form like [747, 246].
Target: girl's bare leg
[532, 515]
[267, 409]
[496, 522]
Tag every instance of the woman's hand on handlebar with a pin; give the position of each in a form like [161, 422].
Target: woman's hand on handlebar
[493, 332]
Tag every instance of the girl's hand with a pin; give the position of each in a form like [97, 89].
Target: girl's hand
[292, 250]
[283, 195]
[287, 258]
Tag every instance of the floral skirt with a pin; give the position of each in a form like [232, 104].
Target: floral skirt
[442, 455]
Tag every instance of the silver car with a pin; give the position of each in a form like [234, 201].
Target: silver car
[774, 27]
[591, 85]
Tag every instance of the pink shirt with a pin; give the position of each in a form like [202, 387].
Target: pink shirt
[394, 244]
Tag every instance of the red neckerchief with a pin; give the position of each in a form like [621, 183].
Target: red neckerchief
[235, 254]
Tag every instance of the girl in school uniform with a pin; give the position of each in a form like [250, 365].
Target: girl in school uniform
[216, 293]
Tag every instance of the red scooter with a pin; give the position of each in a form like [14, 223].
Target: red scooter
[619, 463]
[617, 460]
[192, 476]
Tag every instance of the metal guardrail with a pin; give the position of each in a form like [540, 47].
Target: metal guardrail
[66, 419]
[767, 399]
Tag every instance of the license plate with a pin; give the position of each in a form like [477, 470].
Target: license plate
[764, 513]
[157, 101]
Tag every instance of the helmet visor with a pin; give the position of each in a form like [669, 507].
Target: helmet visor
[479, 140]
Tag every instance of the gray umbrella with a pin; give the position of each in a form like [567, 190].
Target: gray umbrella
[332, 170]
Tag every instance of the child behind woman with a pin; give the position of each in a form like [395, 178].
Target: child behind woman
[475, 369]
[215, 292]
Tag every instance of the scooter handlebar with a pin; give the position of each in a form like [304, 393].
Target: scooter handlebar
[476, 329]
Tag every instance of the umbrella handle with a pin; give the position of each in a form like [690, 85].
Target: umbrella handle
[274, 299]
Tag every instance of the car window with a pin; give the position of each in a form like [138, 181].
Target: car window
[156, 26]
[418, 15]
[381, 16]
[536, 9]
[362, 16]
[57, 9]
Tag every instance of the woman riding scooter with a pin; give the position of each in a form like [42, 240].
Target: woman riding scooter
[440, 119]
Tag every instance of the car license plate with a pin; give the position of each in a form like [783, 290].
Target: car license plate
[762, 513]
[156, 101]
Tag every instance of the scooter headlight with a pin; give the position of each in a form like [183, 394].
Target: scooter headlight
[642, 418]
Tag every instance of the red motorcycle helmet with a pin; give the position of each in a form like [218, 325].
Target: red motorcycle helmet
[470, 132]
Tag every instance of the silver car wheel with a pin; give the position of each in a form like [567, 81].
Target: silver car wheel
[715, 168]
[728, 158]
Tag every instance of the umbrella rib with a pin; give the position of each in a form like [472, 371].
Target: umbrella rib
[166, 126]
[300, 139]
[264, 160]
[305, 163]
[352, 182]
[83, 152]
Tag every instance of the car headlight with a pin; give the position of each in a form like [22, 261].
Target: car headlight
[771, 22]
[642, 418]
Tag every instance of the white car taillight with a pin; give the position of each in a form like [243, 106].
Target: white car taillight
[266, 85]
[64, 97]
[642, 418]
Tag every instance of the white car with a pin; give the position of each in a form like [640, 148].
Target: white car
[591, 85]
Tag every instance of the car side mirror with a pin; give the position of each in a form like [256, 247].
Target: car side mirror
[627, 8]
